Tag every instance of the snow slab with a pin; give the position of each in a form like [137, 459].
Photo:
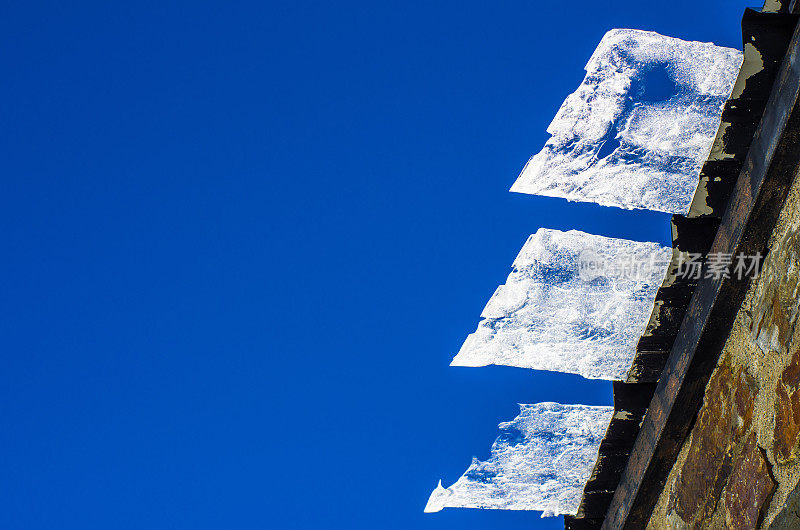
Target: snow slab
[638, 129]
[541, 461]
[574, 302]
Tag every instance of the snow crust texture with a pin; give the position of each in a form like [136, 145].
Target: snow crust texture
[574, 302]
[638, 129]
[541, 461]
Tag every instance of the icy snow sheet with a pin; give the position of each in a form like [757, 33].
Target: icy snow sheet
[541, 461]
[574, 302]
[639, 128]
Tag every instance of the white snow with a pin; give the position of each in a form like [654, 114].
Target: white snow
[574, 302]
[661, 99]
[541, 461]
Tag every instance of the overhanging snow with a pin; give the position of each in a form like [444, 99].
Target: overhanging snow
[639, 128]
[574, 302]
[541, 461]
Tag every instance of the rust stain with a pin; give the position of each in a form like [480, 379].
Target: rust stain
[749, 488]
[725, 418]
[787, 412]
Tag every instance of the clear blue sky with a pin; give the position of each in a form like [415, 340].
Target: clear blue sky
[244, 240]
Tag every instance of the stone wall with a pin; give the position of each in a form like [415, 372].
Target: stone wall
[740, 466]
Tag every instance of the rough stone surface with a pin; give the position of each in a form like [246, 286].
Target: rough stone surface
[787, 412]
[724, 419]
[789, 516]
[776, 302]
[749, 487]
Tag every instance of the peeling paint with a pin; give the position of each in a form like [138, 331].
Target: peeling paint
[699, 204]
[753, 63]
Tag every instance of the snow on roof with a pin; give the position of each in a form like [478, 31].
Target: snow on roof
[541, 461]
[574, 302]
[638, 129]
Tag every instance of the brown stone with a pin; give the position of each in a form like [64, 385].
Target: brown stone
[749, 487]
[776, 306]
[722, 423]
[787, 412]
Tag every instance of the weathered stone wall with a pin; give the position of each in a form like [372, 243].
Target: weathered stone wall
[741, 463]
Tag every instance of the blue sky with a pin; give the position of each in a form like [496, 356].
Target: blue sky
[244, 240]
